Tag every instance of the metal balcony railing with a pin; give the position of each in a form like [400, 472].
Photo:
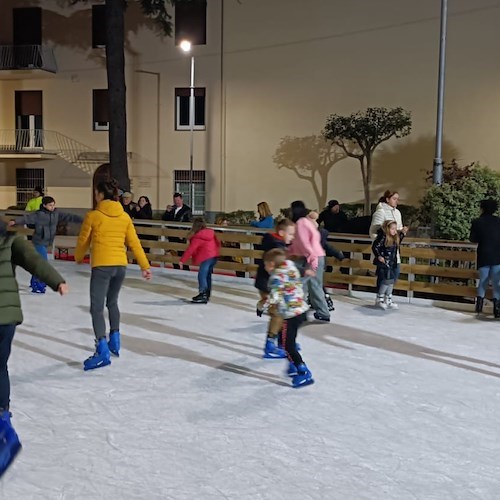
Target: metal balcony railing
[27, 57]
[35, 141]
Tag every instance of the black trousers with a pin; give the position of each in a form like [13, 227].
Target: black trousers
[289, 337]
[6, 336]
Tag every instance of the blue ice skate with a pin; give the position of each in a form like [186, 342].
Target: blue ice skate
[37, 286]
[272, 351]
[10, 445]
[100, 357]
[114, 343]
[292, 370]
[303, 377]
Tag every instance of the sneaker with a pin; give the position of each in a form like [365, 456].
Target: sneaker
[114, 343]
[272, 351]
[303, 377]
[100, 358]
[10, 445]
[380, 302]
[201, 298]
[320, 317]
[390, 304]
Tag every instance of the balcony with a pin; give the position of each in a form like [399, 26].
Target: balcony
[26, 61]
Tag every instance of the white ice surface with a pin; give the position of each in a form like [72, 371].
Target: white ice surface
[405, 406]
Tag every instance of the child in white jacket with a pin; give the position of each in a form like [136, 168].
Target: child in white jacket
[286, 292]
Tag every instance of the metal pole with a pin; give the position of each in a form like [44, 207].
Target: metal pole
[191, 127]
[438, 159]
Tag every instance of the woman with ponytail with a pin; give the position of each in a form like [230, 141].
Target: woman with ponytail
[107, 230]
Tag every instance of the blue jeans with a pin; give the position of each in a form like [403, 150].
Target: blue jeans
[6, 336]
[205, 274]
[35, 283]
[487, 273]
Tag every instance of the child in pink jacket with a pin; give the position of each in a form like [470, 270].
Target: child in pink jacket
[203, 249]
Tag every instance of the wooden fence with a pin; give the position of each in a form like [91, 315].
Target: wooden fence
[430, 268]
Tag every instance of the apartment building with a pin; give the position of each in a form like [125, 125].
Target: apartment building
[267, 75]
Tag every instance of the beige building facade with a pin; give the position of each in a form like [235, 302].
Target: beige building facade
[272, 71]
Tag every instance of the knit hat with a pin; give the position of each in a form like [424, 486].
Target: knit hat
[333, 203]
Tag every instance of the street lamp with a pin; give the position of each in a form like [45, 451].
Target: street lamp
[437, 175]
[185, 46]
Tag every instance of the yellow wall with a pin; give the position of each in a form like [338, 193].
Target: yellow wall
[285, 66]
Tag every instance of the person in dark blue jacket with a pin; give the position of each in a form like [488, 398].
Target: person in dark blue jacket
[266, 220]
[285, 232]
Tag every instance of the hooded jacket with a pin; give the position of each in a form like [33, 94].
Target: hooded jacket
[16, 251]
[202, 246]
[485, 231]
[45, 224]
[307, 242]
[107, 230]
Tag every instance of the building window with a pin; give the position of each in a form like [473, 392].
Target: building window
[191, 22]
[195, 199]
[28, 179]
[98, 26]
[100, 110]
[182, 100]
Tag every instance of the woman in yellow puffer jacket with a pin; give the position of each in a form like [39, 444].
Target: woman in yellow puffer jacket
[107, 230]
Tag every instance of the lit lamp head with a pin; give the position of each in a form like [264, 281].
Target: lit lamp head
[185, 46]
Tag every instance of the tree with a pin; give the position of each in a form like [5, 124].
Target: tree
[115, 68]
[359, 134]
[451, 207]
[311, 158]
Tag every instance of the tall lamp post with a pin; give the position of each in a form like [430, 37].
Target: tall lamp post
[186, 46]
[437, 171]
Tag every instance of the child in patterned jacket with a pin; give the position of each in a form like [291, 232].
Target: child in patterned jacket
[287, 294]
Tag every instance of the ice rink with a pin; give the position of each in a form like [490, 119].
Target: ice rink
[406, 404]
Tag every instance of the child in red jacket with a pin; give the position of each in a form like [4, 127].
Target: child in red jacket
[204, 249]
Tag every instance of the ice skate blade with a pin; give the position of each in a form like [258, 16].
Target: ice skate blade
[303, 384]
[273, 356]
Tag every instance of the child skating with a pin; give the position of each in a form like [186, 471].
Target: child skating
[386, 248]
[203, 249]
[287, 294]
[283, 236]
[45, 222]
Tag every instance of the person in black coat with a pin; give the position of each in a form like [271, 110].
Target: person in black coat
[285, 232]
[143, 209]
[333, 218]
[485, 231]
[178, 212]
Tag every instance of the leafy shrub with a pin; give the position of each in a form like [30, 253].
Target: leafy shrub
[451, 207]
[238, 217]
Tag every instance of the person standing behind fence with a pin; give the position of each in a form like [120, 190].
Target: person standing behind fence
[333, 218]
[107, 230]
[266, 220]
[485, 231]
[204, 249]
[45, 222]
[387, 210]
[35, 203]
[385, 248]
[307, 246]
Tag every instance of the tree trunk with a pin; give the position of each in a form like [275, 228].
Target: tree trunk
[366, 186]
[115, 66]
[324, 190]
